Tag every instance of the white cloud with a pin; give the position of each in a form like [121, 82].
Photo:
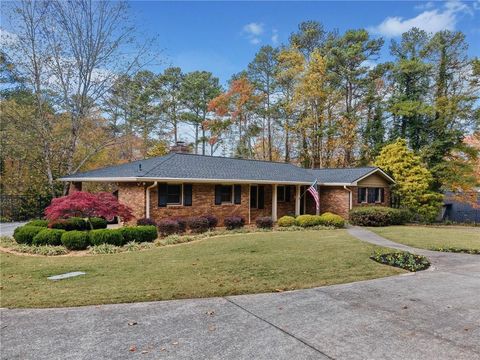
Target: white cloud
[253, 29]
[424, 5]
[429, 20]
[253, 32]
[274, 37]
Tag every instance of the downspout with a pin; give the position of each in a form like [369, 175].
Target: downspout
[350, 205]
[147, 210]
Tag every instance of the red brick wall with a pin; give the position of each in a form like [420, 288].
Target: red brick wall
[203, 202]
[334, 199]
[386, 198]
[133, 195]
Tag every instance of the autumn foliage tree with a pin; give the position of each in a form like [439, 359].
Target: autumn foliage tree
[87, 205]
[413, 180]
[238, 105]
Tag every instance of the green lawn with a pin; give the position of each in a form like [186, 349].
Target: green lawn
[431, 237]
[234, 264]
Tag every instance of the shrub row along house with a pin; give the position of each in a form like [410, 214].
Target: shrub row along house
[183, 185]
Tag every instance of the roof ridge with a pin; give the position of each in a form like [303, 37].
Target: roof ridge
[342, 168]
[234, 158]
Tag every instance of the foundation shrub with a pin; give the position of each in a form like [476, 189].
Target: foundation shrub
[168, 227]
[42, 223]
[330, 219]
[198, 224]
[308, 220]
[286, 221]
[378, 216]
[265, 222]
[212, 220]
[48, 237]
[146, 221]
[234, 222]
[139, 234]
[106, 236]
[76, 240]
[25, 234]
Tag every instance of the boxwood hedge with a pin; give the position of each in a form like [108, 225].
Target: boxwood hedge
[48, 237]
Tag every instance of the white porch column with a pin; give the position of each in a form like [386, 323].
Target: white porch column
[297, 200]
[274, 202]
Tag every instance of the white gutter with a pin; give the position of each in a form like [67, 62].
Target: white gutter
[350, 200]
[147, 205]
[186, 180]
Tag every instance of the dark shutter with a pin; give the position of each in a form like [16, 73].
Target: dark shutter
[187, 194]
[287, 193]
[162, 195]
[237, 194]
[218, 194]
[261, 197]
[371, 195]
[362, 195]
[253, 197]
[382, 195]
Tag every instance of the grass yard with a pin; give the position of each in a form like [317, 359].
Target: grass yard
[226, 265]
[431, 237]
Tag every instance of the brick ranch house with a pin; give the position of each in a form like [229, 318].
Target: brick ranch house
[184, 185]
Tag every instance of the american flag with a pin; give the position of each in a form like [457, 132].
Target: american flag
[313, 190]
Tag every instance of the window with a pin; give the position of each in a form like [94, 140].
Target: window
[370, 195]
[171, 194]
[254, 197]
[174, 194]
[378, 197]
[362, 195]
[227, 194]
[281, 193]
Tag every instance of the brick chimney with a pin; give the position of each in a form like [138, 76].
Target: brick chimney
[180, 147]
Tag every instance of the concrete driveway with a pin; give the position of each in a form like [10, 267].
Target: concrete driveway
[6, 229]
[434, 314]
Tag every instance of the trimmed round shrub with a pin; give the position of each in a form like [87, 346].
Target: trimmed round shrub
[212, 220]
[168, 227]
[25, 234]
[98, 223]
[73, 223]
[182, 224]
[106, 236]
[234, 222]
[48, 237]
[286, 221]
[378, 216]
[330, 219]
[146, 233]
[264, 222]
[146, 221]
[42, 223]
[198, 224]
[308, 220]
[76, 240]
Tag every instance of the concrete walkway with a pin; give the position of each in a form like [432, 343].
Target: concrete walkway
[433, 314]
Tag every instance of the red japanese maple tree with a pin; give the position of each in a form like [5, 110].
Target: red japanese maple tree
[86, 205]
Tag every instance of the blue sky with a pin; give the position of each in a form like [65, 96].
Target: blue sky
[222, 37]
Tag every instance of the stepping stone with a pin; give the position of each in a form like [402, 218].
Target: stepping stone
[66, 275]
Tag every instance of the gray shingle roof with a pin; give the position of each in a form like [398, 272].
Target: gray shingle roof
[189, 166]
[198, 167]
[340, 175]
